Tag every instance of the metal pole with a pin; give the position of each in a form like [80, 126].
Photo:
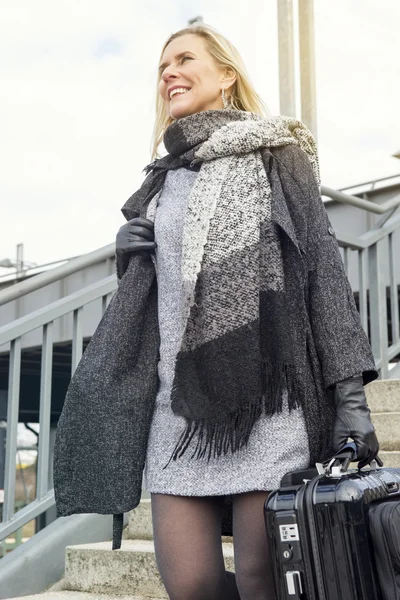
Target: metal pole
[20, 259]
[3, 431]
[287, 91]
[195, 21]
[307, 65]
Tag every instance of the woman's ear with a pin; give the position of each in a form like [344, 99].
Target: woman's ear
[228, 77]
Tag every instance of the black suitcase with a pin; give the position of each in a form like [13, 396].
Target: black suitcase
[335, 533]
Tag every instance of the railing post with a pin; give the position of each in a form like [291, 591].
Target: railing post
[105, 301]
[362, 286]
[346, 252]
[394, 296]
[42, 485]
[378, 307]
[77, 338]
[12, 428]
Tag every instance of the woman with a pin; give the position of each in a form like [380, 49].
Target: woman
[205, 103]
[232, 351]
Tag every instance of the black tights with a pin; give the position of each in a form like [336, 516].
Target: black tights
[187, 540]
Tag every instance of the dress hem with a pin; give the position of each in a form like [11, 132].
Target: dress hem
[228, 493]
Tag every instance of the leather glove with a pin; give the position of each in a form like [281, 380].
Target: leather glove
[353, 420]
[137, 235]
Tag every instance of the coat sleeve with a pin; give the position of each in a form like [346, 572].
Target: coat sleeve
[342, 344]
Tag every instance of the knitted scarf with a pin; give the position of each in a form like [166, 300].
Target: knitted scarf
[235, 358]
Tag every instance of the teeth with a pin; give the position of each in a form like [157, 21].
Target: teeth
[178, 91]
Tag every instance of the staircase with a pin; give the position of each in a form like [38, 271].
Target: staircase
[96, 572]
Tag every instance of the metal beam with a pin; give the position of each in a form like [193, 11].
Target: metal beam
[287, 90]
[307, 65]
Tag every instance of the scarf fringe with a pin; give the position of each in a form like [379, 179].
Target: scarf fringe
[233, 433]
[279, 378]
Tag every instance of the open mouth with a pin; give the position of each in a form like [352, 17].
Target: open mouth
[179, 93]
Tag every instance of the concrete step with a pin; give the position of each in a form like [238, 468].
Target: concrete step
[383, 395]
[140, 525]
[390, 459]
[130, 570]
[387, 427]
[67, 595]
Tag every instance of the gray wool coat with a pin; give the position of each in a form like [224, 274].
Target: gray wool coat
[102, 434]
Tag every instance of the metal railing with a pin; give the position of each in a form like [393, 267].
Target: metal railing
[373, 258]
[377, 273]
[379, 209]
[73, 266]
[27, 270]
[11, 334]
[371, 184]
[369, 255]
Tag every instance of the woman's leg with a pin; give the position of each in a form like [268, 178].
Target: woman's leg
[253, 566]
[187, 541]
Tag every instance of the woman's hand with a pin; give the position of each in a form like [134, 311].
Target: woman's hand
[353, 420]
[137, 235]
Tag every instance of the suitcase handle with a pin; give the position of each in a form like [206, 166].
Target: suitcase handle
[344, 457]
[341, 460]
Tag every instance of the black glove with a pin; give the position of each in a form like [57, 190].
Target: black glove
[353, 420]
[137, 235]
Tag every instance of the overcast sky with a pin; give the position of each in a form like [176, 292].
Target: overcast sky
[77, 103]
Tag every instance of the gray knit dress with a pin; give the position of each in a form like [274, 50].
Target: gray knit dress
[277, 444]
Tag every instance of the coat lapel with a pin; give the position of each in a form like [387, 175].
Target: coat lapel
[279, 210]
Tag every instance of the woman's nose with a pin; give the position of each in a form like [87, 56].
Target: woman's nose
[169, 73]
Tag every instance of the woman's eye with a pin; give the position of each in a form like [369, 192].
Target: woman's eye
[161, 70]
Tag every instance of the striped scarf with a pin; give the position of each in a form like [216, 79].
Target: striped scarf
[235, 358]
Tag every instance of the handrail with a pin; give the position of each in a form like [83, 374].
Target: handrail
[370, 237]
[379, 209]
[349, 187]
[56, 309]
[25, 272]
[38, 281]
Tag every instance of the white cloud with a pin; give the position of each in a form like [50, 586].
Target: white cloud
[77, 103]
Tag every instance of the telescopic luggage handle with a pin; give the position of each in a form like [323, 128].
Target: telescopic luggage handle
[344, 456]
[339, 463]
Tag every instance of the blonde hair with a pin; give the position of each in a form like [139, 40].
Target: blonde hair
[243, 95]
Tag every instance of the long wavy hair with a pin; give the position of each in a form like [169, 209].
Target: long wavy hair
[242, 94]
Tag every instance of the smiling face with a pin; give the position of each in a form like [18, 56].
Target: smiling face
[187, 64]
